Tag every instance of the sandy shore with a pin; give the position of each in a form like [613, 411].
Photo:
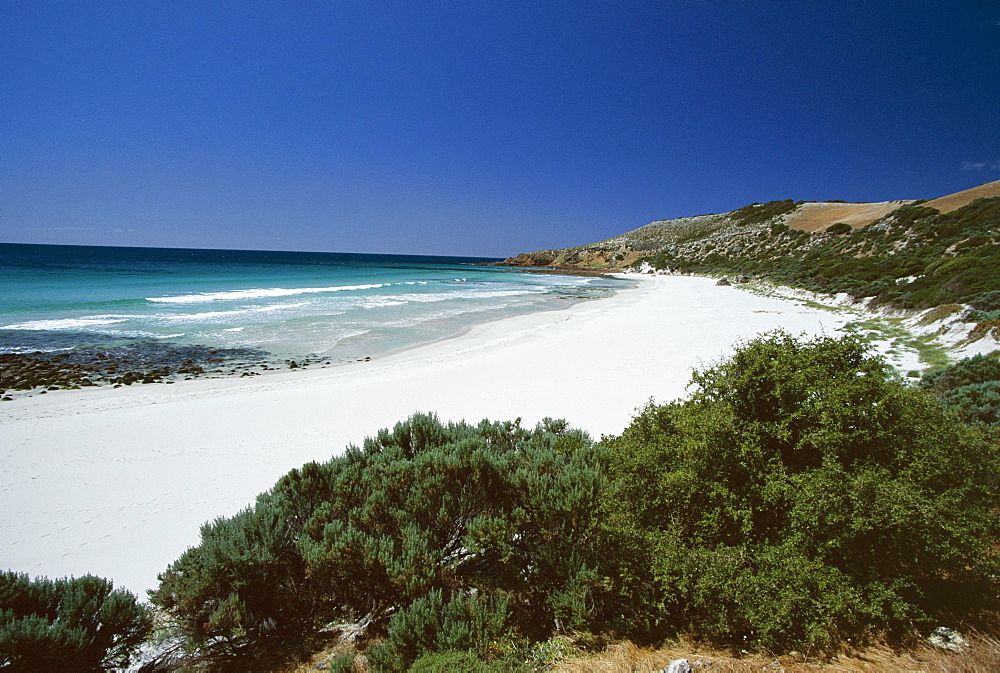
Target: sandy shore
[116, 482]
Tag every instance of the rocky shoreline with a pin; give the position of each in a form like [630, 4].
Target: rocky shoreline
[141, 363]
[528, 266]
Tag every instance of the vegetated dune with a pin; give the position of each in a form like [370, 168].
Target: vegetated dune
[951, 202]
[814, 216]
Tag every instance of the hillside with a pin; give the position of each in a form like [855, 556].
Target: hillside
[906, 254]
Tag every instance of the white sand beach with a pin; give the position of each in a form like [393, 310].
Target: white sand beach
[116, 482]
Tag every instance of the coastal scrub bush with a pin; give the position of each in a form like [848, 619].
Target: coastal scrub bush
[968, 371]
[422, 513]
[971, 386]
[839, 228]
[465, 623]
[78, 624]
[802, 497]
[242, 592]
[452, 662]
[759, 213]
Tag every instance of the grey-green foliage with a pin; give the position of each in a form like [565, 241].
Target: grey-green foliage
[452, 661]
[343, 663]
[461, 623]
[803, 496]
[426, 507]
[80, 624]
[760, 213]
[971, 386]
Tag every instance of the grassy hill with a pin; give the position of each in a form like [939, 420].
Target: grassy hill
[907, 254]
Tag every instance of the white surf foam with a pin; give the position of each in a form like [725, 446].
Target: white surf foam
[215, 315]
[15, 350]
[70, 323]
[258, 293]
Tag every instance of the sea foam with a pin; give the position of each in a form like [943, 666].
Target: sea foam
[258, 293]
[215, 315]
[69, 323]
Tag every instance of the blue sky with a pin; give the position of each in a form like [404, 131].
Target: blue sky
[476, 128]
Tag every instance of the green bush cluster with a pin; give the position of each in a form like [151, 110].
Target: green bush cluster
[452, 661]
[800, 498]
[427, 512]
[80, 624]
[759, 213]
[471, 624]
[971, 386]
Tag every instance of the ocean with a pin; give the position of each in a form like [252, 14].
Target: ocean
[333, 306]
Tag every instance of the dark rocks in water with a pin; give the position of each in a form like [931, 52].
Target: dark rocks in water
[723, 281]
[121, 365]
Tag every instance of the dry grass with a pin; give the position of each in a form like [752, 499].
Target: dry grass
[819, 216]
[982, 655]
[625, 657]
[951, 202]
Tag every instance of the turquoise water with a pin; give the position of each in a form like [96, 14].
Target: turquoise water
[333, 305]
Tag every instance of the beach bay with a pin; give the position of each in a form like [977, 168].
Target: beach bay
[116, 482]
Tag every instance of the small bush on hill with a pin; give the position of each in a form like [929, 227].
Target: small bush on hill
[986, 301]
[759, 213]
[978, 401]
[839, 228]
[976, 369]
[80, 624]
[972, 386]
[800, 498]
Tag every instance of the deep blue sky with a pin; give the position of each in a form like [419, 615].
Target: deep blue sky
[476, 128]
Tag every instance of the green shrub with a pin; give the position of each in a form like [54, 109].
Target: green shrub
[986, 301]
[80, 624]
[242, 594]
[451, 662]
[799, 498]
[424, 508]
[976, 402]
[343, 663]
[976, 369]
[971, 386]
[839, 228]
[982, 316]
[759, 213]
[466, 623]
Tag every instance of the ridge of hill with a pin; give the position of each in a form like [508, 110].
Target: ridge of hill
[905, 254]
